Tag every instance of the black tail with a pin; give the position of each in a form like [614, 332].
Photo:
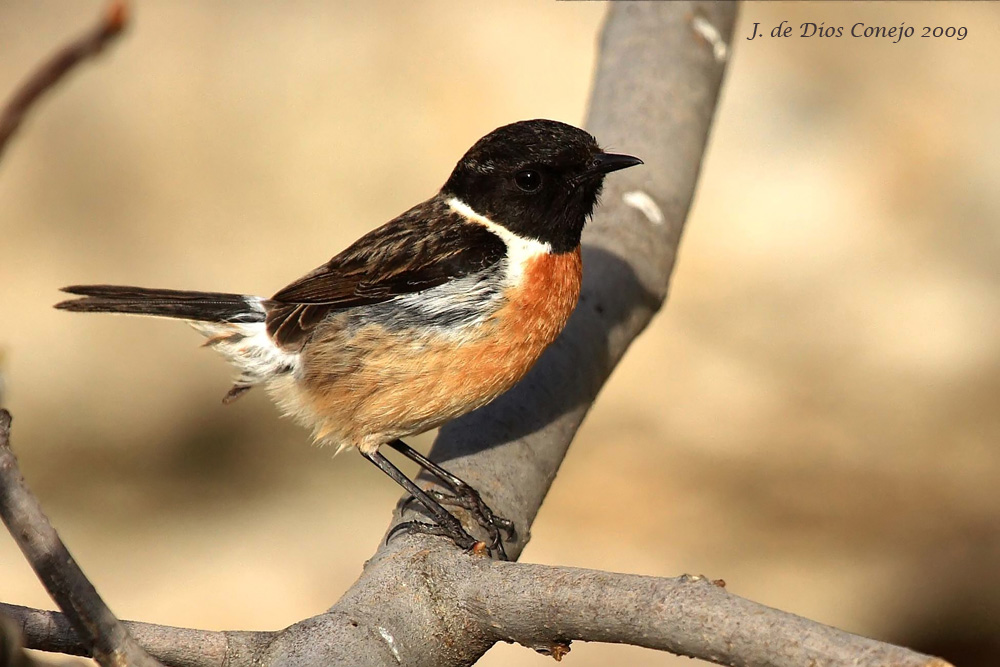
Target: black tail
[198, 306]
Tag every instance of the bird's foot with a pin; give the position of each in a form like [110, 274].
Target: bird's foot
[485, 517]
[461, 538]
[461, 495]
[469, 499]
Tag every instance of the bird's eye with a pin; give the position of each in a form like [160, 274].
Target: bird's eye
[528, 180]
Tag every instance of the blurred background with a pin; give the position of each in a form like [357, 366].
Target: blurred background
[814, 416]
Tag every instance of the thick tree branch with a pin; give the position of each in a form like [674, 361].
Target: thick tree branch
[541, 607]
[50, 72]
[686, 615]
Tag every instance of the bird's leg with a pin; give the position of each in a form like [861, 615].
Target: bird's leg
[447, 525]
[463, 496]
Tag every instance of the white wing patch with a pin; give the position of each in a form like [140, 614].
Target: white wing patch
[453, 302]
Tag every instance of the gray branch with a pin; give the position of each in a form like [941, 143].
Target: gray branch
[52, 631]
[420, 601]
[538, 606]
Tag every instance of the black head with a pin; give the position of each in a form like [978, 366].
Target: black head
[538, 178]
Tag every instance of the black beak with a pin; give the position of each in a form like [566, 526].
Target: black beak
[605, 163]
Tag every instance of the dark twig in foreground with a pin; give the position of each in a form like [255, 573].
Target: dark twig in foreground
[57, 66]
[110, 643]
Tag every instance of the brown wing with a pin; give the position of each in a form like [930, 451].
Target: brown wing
[425, 247]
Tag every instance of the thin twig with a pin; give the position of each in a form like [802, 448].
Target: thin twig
[111, 644]
[187, 647]
[110, 25]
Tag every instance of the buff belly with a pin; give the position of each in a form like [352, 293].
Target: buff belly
[366, 385]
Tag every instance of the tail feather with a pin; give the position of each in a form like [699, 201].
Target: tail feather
[233, 323]
[193, 306]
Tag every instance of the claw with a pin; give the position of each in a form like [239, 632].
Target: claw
[484, 516]
[463, 540]
[462, 495]
[469, 499]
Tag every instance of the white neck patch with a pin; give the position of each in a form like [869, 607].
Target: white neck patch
[520, 250]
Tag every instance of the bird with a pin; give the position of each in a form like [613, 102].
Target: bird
[426, 318]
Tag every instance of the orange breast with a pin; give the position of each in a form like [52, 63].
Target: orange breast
[399, 386]
[538, 308]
